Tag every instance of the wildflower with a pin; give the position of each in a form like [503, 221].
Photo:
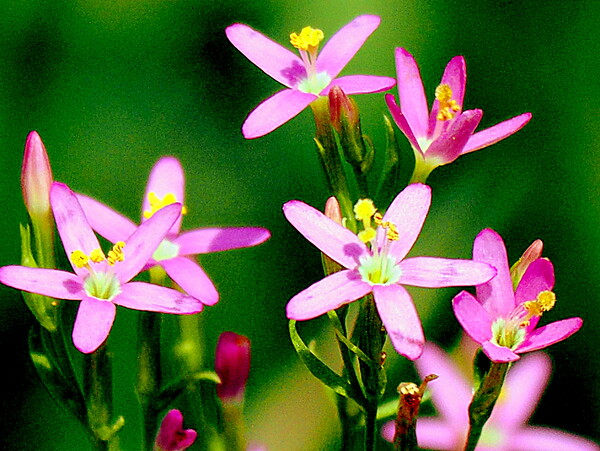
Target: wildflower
[171, 435]
[375, 263]
[232, 364]
[307, 76]
[504, 320]
[165, 186]
[100, 281]
[440, 137]
[507, 428]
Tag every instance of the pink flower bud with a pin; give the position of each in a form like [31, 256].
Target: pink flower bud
[333, 210]
[532, 253]
[341, 107]
[232, 364]
[36, 176]
[171, 435]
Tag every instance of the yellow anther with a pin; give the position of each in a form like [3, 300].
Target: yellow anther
[546, 300]
[116, 254]
[364, 209]
[308, 38]
[79, 258]
[448, 106]
[391, 229]
[367, 235]
[533, 308]
[156, 203]
[97, 255]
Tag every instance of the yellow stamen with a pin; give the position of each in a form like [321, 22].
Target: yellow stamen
[364, 209]
[546, 300]
[97, 255]
[156, 203]
[391, 229]
[448, 106]
[116, 254]
[79, 258]
[309, 38]
[367, 235]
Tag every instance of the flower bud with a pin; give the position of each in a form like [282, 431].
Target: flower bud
[334, 212]
[36, 177]
[232, 364]
[532, 253]
[342, 109]
[171, 435]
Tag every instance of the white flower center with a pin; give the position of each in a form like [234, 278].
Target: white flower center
[166, 250]
[314, 84]
[379, 269]
[102, 285]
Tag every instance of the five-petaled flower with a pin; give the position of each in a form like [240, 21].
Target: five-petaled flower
[507, 429]
[165, 186]
[375, 263]
[171, 435]
[440, 137]
[504, 320]
[101, 281]
[307, 76]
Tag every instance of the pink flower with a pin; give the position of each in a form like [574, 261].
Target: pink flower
[307, 76]
[171, 435]
[36, 176]
[101, 282]
[507, 429]
[441, 136]
[232, 364]
[504, 320]
[165, 186]
[375, 263]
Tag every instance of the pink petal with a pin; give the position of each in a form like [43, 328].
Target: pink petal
[435, 434]
[538, 277]
[525, 384]
[496, 133]
[473, 318]
[400, 319]
[550, 334]
[273, 59]
[408, 212]
[154, 298]
[204, 241]
[73, 227]
[498, 354]
[544, 439]
[165, 178]
[455, 76]
[331, 238]
[451, 394]
[106, 222]
[275, 111]
[141, 245]
[327, 294]
[344, 44]
[48, 282]
[93, 323]
[171, 435]
[497, 295]
[448, 146]
[412, 94]
[402, 122]
[361, 84]
[433, 272]
[192, 279]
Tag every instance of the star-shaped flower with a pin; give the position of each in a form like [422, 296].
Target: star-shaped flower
[507, 428]
[101, 282]
[307, 76]
[504, 320]
[375, 263]
[175, 252]
[441, 136]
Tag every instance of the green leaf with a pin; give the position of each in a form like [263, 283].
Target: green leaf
[351, 346]
[168, 394]
[320, 370]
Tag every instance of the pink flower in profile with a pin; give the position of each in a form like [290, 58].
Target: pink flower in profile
[307, 76]
[101, 282]
[375, 262]
[171, 435]
[507, 428]
[175, 252]
[441, 136]
[232, 365]
[504, 320]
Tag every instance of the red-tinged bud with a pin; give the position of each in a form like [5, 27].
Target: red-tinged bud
[232, 365]
[171, 435]
[333, 210]
[342, 109]
[36, 177]
[532, 253]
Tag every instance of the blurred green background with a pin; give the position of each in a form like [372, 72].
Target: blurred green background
[113, 85]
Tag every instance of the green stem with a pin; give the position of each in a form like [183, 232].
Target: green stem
[421, 171]
[483, 402]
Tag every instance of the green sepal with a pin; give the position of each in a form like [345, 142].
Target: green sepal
[320, 370]
[43, 308]
[481, 366]
[390, 174]
[172, 391]
[63, 389]
[369, 157]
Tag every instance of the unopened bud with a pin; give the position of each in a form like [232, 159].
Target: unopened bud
[342, 109]
[232, 365]
[171, 435]
[36, 177]
[532, 253]
[333, 212]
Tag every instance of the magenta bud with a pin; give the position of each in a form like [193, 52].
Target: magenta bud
[171, 435]
[342, 108]
[532, 253]
[232, 365]
[36, 176]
